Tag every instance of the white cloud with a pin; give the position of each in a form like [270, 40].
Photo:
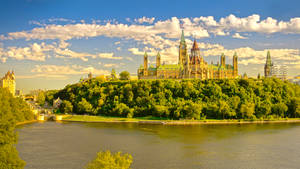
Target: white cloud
[145, 20]
[35, 52]
[65, 71]
[238, 36]
[108, 56]
[111, 65]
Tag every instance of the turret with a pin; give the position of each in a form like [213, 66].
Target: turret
[235, 64]
[157, 60]
[223, 60]
[145, 64]
[182, 50]
[268, 65]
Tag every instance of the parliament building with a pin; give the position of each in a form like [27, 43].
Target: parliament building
[191, 66]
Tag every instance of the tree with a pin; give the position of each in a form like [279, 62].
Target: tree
[294, 107]
[224, 110]
[113, 75]
[247, 110]
[66, 107]
[279, 109]
[84, 106]
[41, 98]
[9, 158]
[124, 75]
[108, 160]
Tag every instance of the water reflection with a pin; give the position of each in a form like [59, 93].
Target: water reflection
[72, 145]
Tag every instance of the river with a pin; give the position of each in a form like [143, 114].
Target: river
[52, 145]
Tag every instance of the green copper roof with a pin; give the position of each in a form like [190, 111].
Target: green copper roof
[182, 40]
[269, 62]
[158, 54]
[145, 55]
[235, 55]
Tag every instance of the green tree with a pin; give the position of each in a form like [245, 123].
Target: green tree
[279, 109]
[84, 106]
[113, 75]
[247, 110]
[9, 158]
[41, 98]
[124, 75]
[108, 160]
[294, 107]
[66, 107]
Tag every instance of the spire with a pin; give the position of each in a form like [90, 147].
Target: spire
[235, 55]
[182, 40]
[195, 45]
[269, 62]
[158, 60]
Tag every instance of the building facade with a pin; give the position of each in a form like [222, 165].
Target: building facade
[268, 66]
[9, 82]
[189, 66]
[273, 70]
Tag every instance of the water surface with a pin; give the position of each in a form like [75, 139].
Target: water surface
[52, 145]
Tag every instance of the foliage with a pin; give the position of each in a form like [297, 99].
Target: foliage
[113, 75]
[66, 107]
[124, 75]
[108, 160]
[41, 98]
[185, 99]
[12, 110]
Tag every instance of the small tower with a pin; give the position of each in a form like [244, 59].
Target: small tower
[90, 76]
[157, 60]
[235, 64]
[223, 60]
[182, 50]
[145, 64]
[268, 65]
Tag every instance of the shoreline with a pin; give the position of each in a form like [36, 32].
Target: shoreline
[26, 122]
[179, 122]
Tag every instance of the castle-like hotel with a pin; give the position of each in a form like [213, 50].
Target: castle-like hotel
[9, 82]
[193, 66]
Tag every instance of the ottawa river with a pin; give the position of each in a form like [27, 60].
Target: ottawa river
[52, 145]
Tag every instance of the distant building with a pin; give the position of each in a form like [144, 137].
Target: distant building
[268, 66]
[90, 76]
[56, 103]
[272, 70]
[9, 82]
[193, 66]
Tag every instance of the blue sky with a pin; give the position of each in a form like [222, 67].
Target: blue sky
[52, 43]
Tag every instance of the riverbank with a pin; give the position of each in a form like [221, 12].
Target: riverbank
[26, 122]
[151, 120]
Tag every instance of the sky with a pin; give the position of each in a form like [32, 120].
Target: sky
[52, 43]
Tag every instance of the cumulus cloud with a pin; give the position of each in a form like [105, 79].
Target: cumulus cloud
[109, 56]
[39, 52]
[62, 71]
[35, 52]
[145, 20]
[111, 65]
[238, 36]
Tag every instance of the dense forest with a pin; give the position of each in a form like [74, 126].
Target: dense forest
[12, 110]
[268, 98]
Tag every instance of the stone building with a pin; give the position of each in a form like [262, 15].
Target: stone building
[9, 82]
[189, 66]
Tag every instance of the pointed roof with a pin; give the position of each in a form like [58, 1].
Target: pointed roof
[145, 55]
[182, 37]
[158, 54]
[195, 45]
[235, 55]
[269, 62]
